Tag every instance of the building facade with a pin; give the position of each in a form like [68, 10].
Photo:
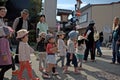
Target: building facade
[102, 14]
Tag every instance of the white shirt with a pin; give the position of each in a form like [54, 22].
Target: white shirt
[62, 47]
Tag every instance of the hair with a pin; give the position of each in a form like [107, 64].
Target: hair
[81, 42]
[115, 24]
[42, 15]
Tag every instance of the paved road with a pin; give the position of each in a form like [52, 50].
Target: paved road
[99, 70]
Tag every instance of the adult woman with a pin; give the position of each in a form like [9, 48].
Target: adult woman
[3, 12]
[114, 38]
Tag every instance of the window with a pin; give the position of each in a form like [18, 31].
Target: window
[83, 18]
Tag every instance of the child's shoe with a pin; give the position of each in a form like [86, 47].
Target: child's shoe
[35, 79]
[21, 79]
[46, 76]
[65, 71]
[15, 72]
[56, 73]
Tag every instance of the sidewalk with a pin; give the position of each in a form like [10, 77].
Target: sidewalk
[101, 69]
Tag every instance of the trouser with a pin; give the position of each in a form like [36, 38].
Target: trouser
[4, 68]
[62, 58]
[90, 46]
[74, 60]
[97, 45]
[117, 52]
[114, 55]
[13, 64]
[42, 59]
[25, 65]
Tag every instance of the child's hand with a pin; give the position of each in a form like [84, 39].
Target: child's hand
[5, 58]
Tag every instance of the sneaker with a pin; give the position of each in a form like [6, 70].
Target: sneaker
[35, 79]
[46, 76]
[15, 72]
[76, 72]
[65, 71]
[56, 73]
[112, 62]
[22, 79]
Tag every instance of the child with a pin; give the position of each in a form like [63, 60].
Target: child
[61, 47]
[51, 49]
[5, 55]
[24, 54]
[80, 50]
[42, 51]
[71, 51]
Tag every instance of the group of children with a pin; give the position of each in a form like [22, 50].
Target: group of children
[48, 47]
[51, 45]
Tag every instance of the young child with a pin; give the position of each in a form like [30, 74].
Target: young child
[80, 50]
[24, 54]
[71, 51]
[61, 47]
[51, 49]
[42, 51]
[5, 54]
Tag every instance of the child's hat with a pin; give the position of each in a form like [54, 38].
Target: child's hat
[60, 33]
[4, 31]
[73, 34]
[21, 33]
[81, 38]
[48, 37]
[42, 33]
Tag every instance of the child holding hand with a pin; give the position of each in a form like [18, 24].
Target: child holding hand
[24, 54]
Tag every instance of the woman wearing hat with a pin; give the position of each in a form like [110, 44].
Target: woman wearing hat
[90, 45]
[3, 12]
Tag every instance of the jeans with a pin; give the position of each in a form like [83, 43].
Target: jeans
[98, 45]
[114, 51]
[74, 60]
[118, 53]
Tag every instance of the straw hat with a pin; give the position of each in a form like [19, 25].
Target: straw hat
[60, 33]
[21, 33]
[81, 38]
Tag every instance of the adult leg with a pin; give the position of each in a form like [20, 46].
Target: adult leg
[3, 70]
[113, 51]
[92, 51]
[86, 51]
